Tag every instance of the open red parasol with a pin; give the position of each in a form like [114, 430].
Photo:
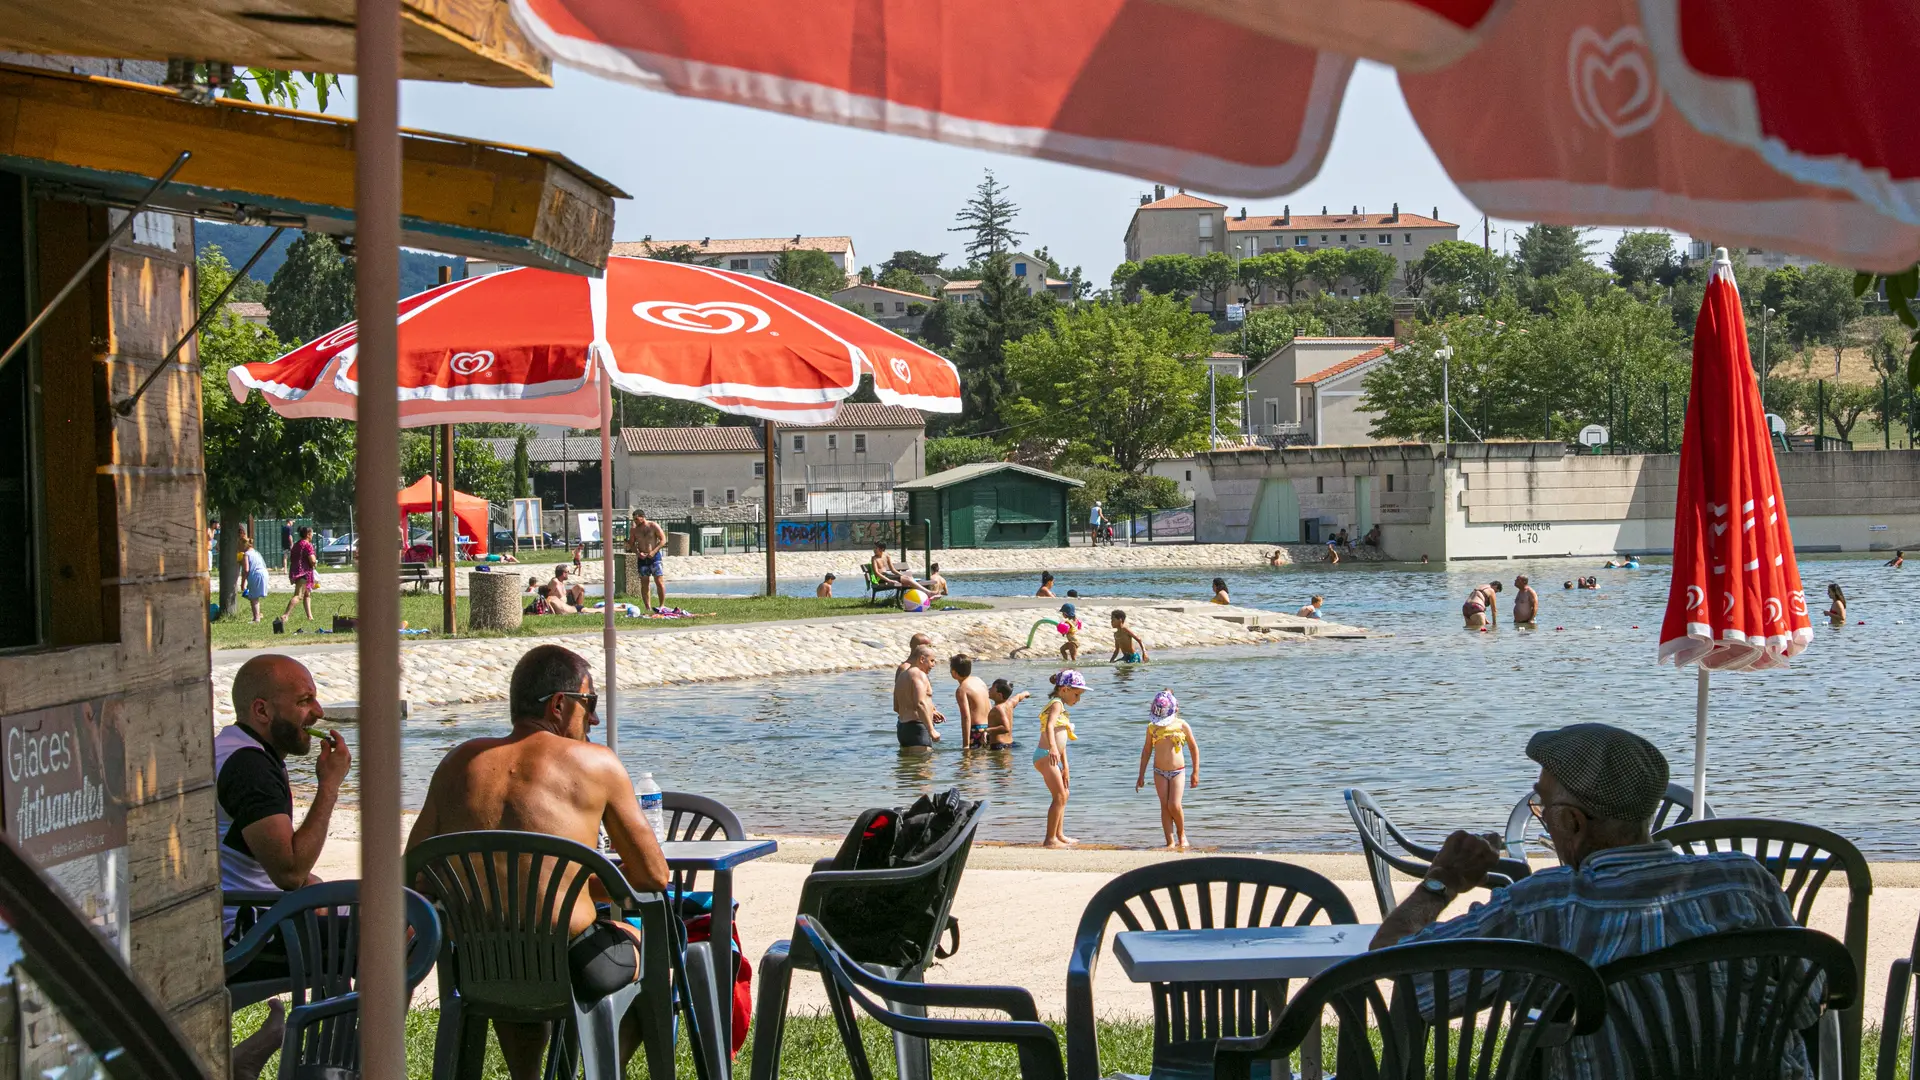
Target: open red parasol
[1735, 602]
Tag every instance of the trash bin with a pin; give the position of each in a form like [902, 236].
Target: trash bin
[678, 544]
[493, 601]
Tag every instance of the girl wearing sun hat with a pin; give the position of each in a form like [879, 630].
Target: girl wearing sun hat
[1167, 735]
[1050, 753]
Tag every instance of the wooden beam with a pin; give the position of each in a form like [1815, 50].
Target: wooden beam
[458, 195]
[472, 41]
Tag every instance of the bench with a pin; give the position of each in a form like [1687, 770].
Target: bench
[417, 575]
[875, 586]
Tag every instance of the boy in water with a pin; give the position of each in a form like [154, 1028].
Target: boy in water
[1070, 626]
[971, 697]
[1128, 647]
[824, 590]
[1312, 609]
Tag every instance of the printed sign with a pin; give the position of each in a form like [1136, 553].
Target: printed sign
[526, 517]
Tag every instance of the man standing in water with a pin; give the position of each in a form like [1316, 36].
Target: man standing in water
[971, 696]
[915, 716]
[1526, 602]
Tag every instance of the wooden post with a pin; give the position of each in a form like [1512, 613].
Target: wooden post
[376, 197]
[610, 683]
[773, 488]
[450, 539]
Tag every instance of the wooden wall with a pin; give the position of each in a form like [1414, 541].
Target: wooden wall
[135, 539]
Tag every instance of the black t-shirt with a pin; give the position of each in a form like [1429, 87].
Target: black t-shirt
[251, 787]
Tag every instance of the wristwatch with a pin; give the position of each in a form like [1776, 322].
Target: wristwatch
[1436, 888]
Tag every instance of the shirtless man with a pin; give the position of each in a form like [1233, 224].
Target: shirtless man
[645, 539]
[563, 588]
[1526, 602]
[546, 777]
[971, 697]
[885, 570]
[936, 584]
[916, 720]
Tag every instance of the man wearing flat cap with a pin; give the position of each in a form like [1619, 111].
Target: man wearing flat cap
[1618, 892]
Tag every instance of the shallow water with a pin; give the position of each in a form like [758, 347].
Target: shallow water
[1433, 721]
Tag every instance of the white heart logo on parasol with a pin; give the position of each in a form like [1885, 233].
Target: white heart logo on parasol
[337, 339]
[712, 317]
[471, 363]
[1696, 596]
[1729, 610]
[1773, 609]
[902, 370]
[1799, 603]
[1597, 65]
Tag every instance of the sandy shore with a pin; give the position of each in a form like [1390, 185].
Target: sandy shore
[1019, 906]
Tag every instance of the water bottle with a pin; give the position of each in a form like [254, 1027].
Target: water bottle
[652, 805]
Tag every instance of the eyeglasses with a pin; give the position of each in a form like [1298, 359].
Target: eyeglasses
[1538, 807]
[591, 701]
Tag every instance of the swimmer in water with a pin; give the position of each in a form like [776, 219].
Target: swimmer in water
[1220, 592]
[1482, 608]
[1837, 614]
[1526, 602]
[1899, 560]
[1128, 647]
[1000, 714]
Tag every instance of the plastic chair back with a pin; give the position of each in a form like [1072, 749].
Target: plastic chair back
[508, 898]
[1802, 858]
[1722, 1005]
[1893, 1021]
[1194, 894]
[696, 817]
[319, 926]
[1467, 1010]
[1379, 837]
[1676, 806]
[893, 917]
[848, 984]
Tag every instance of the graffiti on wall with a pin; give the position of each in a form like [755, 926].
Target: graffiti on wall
[866, 533]
[788, 535]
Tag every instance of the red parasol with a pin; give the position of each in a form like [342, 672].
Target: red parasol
[1748, 122]
[1735, 602]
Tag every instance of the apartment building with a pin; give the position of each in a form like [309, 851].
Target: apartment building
[1183, 224]
[896, 309]
[752, 255]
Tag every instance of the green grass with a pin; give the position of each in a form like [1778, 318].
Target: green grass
[425, 610]
[813, 1051]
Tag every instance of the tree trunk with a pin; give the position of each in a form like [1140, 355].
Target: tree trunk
[228, 560]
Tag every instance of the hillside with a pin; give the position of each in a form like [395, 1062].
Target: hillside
[419, 270]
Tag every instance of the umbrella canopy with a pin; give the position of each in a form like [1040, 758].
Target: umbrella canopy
[1735, 601]
[1748, 121]
[423, 496]
[520, 345]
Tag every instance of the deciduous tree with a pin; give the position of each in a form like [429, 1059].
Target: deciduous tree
[312, 292]
[1326, 267]
[1169, 275]
[1212, 276]
[809, 270]
[987, 219]
[1372, 269]
[680, 253]
[1551, 249]
[1644, 259]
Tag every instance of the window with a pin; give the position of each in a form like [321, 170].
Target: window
[1343, 238]
[153, 230]
[1300, 240]
[757, 264]
[1343, 292]
[879, 307]
[759, 470]
[1389, 481]
[899, 306]
[733, 496]
[700, 497]
[1386, 238]
[1319, 485]
[1408, 237]
[833, 440]
[1206, 226]
[1323, 238]
[737, 264]
[1206, 247]
[799, 496]
[1189, 475]
[1306, 404]
[1252, 246]
[859, 442]
[799, 444]
[1020, 269]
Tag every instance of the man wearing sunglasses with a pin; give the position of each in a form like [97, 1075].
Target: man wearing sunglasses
[545, 776]
[1617, 893]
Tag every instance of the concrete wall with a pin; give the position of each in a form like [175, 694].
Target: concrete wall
[1408, 243]
[1174, 232]
[1273, 381]
[1526, 500]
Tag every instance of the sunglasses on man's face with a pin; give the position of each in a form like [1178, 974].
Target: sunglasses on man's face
[590, 701]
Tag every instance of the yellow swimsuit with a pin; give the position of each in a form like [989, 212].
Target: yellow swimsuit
[1061, 721]
[1162, 732]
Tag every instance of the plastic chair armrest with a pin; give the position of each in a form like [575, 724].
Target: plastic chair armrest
[1016, 1002]
[822, 883]
[1899, 978]
[821, 866]
[304, 1016]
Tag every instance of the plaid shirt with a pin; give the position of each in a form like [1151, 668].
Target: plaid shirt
[1623, 902]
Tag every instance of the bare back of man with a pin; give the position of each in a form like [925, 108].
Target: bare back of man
[914, 714]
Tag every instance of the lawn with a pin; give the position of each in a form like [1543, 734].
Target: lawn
[813, 1051]
[424, 611]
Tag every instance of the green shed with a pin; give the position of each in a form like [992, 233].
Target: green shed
[991, 504]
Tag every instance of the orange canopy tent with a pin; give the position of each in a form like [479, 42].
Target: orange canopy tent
[469, 510]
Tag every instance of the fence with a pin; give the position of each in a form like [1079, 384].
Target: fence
[1173, 524]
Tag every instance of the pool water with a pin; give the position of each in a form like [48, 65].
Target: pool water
[1432, 720]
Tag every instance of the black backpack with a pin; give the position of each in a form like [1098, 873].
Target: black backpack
[891, 929]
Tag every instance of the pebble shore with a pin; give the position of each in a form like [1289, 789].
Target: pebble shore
[750, 567]
[472, 670]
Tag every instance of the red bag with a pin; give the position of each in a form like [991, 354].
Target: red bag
[700, 928]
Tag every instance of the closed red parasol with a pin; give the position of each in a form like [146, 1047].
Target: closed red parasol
[1735, 602]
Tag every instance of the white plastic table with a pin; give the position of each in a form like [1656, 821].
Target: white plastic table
[1243, 954]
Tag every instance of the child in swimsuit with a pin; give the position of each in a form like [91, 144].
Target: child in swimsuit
[1128, 647]
[1050, 753]
[1070, 626]
[1167, 735]
[998, 734]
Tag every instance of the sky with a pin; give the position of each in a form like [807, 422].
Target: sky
[698, 168]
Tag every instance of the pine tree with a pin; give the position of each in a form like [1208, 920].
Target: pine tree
[989, 217]
[522, 482]
[312, 292]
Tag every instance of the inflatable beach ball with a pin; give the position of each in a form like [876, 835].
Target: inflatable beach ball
[915, 600]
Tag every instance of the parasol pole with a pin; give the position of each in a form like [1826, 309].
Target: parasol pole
[772, 489]
[1700, 748]
[606, 555]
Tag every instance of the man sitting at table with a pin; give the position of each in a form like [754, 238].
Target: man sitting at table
[547, 777]
[1618, 891]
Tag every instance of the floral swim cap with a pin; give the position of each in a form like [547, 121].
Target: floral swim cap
[1069, 680]
[1165, 705]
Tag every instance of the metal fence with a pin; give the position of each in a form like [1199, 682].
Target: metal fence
[831, 532]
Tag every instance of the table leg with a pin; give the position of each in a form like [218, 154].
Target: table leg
[1310, 1064]
[723, 967]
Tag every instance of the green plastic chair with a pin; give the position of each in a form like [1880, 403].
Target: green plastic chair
[875, 586]
[504, 898]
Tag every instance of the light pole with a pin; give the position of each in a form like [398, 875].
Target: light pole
[1444, 354]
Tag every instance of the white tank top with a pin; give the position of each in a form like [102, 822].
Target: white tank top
[238, 870]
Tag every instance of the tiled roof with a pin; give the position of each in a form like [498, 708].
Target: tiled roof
[247, 309]
[758, 244]
[1344, 366]
[690, 440]
[583, 448]
[960, 286]
[872, 414]
[1335, 221]
[1183, 201]
[1225, 356]
[923, 297]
